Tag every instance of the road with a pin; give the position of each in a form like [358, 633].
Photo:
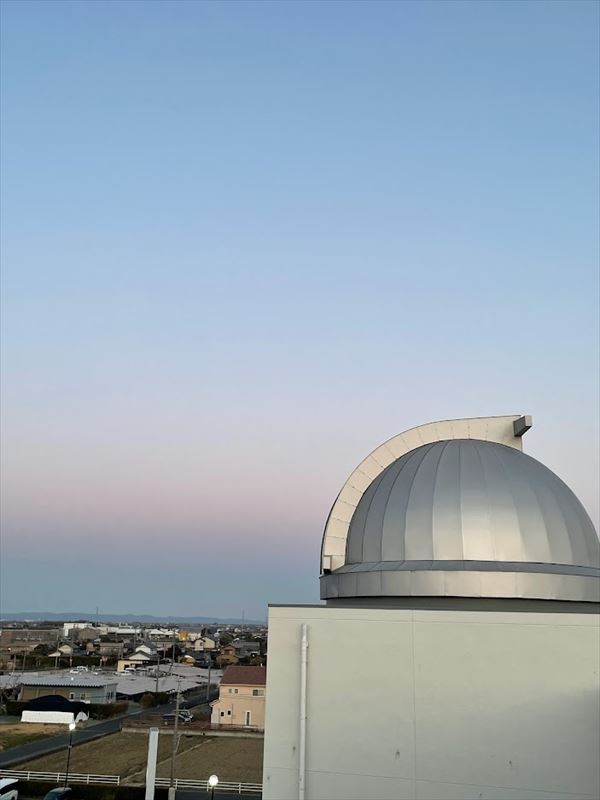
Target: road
[16, 755]
[53, 743]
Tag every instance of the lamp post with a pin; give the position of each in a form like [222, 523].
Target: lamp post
[72, 727]
[212, 782]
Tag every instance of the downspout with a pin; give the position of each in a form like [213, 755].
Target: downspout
[302, 743]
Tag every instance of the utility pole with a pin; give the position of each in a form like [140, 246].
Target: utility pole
[208, 682]
[173, 653]
[171, 795]
[157, 674]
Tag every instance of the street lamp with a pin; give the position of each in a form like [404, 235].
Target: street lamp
[212, 782]
[72, 727]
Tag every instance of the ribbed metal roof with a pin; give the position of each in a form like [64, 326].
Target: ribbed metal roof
[471, 500]
[79, 681]
[468, 517]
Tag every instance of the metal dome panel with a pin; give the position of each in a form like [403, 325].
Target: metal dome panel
[457, 517]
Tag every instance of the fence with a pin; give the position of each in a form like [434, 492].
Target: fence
[59, 777]
[115, 780]
[224, 786]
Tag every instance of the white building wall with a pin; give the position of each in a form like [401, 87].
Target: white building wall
[434, 705]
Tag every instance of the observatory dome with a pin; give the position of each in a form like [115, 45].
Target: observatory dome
[469, 518]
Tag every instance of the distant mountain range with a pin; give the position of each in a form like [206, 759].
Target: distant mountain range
[78, 616]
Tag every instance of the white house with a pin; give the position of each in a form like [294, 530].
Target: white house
[204, 643]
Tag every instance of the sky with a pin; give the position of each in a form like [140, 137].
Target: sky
[245, 243]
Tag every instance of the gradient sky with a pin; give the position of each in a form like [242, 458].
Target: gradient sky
[245, 243]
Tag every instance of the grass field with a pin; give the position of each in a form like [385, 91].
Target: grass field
[232, 759]
[125, 754]
[24, 732]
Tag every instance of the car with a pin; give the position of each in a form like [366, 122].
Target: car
[9, 789]
[60, 793]
[184, 717]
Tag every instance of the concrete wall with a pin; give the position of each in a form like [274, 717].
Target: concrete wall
[453, 705]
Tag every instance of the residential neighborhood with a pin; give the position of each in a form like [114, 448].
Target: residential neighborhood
[123, 680]
[39, 645]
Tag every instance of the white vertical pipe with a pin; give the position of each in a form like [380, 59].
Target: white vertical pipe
[151, 766]
[302, 743]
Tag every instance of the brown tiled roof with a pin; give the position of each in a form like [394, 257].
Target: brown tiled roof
[244, 676]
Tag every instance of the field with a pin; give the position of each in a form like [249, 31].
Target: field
[125, 754]
[232, 759]
[24, 732]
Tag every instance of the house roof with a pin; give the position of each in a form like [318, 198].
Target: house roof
[145, 648]
[140, 655]
[67, 680]
[244, 676]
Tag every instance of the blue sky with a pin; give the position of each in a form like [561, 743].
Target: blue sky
[244, 243]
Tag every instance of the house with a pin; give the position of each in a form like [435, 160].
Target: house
[241, 700]
[146, 649]
[193, 660]
[227, 656]
[135, 660]
[89, 688]
[144, 656]
[162, 633]
[246, 647]
[105, 648]
[204, 643]
[89, 633]
[125, 632]
[69, 627]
